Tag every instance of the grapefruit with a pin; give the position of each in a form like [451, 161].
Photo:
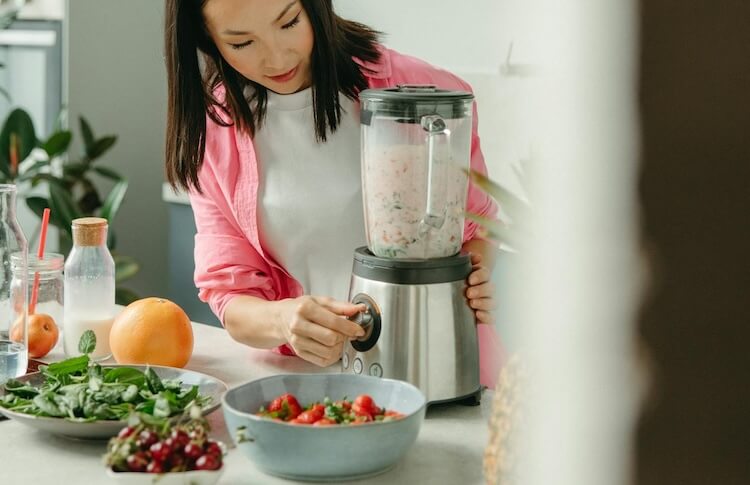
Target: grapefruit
[152, 331]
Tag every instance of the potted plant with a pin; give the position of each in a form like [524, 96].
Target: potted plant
[71, 182]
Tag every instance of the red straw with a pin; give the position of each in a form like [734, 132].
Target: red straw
[40, 257]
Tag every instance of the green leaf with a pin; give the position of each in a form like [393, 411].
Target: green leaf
[57, 143]
[124, 296]
[62, 203]
[37, 206]
[87, 343]
[125, 267]
[162, 409]
[108, 173]
[114, 200]
[21, 389]
[33, 170]
[101, 146]
[130, 393]
[517, 209]
[46, 403]
[68, 366]
[19, 124]
[153, 381]
[125, 375]
[74, 169]
[87, 134]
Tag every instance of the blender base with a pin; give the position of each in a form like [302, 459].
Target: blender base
[473, 399]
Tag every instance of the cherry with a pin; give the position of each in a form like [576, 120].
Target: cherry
[125, 432]
[146, 438]
[208, 462]
[137, 462]
[213, 448]
[179, 437]
[155, 467]
[160, 451]
[192, 450]
[177, 460]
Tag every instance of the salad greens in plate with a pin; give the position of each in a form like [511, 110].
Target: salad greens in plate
[78, 389]
[81, 399]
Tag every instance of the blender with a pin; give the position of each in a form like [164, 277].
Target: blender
[411, 277]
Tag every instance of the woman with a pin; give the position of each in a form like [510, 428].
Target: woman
[263, 130]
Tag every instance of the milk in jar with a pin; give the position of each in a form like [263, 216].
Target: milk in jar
[89, 288]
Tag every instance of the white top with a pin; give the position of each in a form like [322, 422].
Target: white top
[310, 195]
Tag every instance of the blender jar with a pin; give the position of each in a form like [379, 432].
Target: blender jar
[416, 146]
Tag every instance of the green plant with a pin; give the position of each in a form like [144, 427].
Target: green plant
[515, 208]
[28, 162]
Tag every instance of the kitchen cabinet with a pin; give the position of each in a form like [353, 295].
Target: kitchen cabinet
[181, 236]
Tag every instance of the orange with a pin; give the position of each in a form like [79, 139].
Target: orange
[43, 334]
[152, 331]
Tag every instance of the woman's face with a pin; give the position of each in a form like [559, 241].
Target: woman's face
[268, 41]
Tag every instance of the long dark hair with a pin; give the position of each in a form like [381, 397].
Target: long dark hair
[191, 93]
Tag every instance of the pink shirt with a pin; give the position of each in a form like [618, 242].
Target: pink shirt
[229, 257]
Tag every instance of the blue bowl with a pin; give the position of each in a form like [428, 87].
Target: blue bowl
[323, 453]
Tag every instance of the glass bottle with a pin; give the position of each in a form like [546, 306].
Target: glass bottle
[89, 288]
[47, 274]
[13, 334]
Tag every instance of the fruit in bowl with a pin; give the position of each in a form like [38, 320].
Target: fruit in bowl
[362, 442]
[149, 450]
[327, 412]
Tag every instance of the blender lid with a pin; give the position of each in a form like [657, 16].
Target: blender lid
[410, 102]
[411, 271]
[416, 93]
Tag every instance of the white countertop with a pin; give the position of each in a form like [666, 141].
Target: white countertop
[448, 450]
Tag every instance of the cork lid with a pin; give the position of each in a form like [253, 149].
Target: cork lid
[89, 231]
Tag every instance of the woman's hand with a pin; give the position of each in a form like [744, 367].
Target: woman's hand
[316, 327]
[480, 292]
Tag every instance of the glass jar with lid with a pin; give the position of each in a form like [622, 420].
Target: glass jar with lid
[89, 288]
[47, 274]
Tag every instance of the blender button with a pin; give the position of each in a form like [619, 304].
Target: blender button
[345, 360]
[376, 370]
[357, 366]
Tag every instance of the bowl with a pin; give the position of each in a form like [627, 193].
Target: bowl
[323, 453]
[194, 477]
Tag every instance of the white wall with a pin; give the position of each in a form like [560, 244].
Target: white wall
[116, 79]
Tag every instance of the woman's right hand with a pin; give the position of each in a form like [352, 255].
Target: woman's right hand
[317, 327]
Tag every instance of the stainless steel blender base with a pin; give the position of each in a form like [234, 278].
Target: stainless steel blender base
[424, 334]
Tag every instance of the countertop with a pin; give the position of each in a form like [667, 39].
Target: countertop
[448, 450]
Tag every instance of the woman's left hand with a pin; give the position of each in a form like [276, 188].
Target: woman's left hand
[481, 291]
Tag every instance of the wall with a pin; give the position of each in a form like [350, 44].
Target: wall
[116, 79]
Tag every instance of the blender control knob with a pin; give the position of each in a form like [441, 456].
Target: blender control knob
[369, 320]
[364, 319]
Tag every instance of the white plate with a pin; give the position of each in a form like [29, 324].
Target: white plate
[195, 477]
[207, 385]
